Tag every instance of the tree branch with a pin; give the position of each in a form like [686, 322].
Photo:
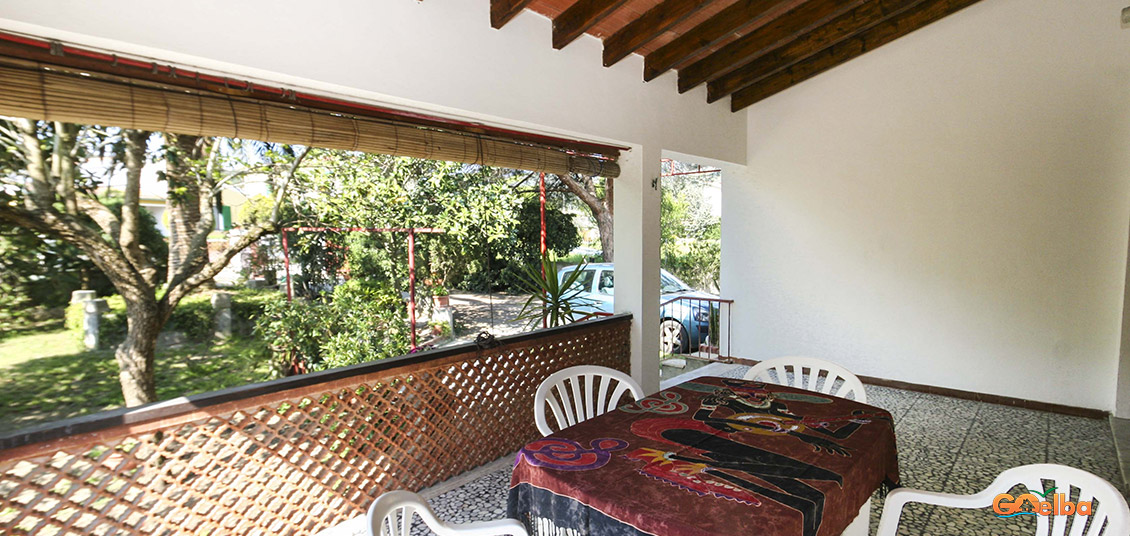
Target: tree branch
[583, 192]
[185, 282]
[130, 236]
[42, 194]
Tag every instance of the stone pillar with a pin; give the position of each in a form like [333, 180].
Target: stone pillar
[636, 221]
[91, 318]
[221, 306]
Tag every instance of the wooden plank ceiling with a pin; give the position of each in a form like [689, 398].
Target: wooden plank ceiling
[744, 49]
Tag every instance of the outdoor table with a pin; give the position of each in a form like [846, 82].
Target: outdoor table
[709, 456]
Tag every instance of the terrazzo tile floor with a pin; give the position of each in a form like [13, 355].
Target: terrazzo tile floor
[945, 444]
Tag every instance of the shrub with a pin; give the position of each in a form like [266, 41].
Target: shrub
[111, 328]
[359, 322]
[193, 316]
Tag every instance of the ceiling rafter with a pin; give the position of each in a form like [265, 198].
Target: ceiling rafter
[573, 22]
[744, 49]
[781, 30]
[877, 36]
[838, 29]
[501, 11]
[715, 30]
[650, 25]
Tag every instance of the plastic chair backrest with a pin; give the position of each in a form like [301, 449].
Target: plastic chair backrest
[1111, 509]
[392, 515]
[805, 373]
[580, 393]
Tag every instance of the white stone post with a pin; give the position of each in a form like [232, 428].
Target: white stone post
[221, 307]
[83, 296]
[91, 318]
[636, 254]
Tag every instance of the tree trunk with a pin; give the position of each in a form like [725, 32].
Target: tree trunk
[602, 209]
[183, 202]
[604, 226]
[136, 355]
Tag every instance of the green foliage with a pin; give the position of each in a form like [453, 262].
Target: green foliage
[359, 322]
[194, 316]
[556, 301]
[490, 230]
[111, 327]
[690, 235]
[37, 271]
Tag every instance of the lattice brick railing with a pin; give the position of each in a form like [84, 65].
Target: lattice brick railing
[292, 456]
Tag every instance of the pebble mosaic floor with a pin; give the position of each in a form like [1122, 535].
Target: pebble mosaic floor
[945, 444]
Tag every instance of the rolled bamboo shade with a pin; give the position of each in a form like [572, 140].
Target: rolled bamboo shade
[35, 91]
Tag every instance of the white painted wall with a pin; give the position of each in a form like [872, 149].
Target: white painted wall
[950, 209]
[437, 55]
[442, 57]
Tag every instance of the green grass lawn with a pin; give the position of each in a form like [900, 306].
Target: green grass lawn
[47, 376]
[21, 348]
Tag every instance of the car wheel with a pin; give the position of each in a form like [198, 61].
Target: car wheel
[672, 337]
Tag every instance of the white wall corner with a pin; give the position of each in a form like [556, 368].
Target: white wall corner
[636, 223]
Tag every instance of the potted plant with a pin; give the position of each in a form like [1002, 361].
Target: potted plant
[551, 301]
[440, 297]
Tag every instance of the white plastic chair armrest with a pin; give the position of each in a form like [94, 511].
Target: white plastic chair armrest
[896, 499]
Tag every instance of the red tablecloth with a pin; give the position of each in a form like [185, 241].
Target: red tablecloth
[709, 456]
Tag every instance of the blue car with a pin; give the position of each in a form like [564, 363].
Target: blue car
[684, 312]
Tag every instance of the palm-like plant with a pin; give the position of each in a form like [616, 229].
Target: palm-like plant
[554, 300]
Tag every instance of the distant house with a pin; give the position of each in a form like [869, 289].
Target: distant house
[154, 193]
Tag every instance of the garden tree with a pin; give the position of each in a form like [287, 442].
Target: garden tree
[50, 192]
[39, 271]
[690, 232]
[474, 205]
[183, 153]
[596, 194]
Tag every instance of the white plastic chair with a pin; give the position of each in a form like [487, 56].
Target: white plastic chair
[391, 515]
[806, 372]
[580, 393]
[1111, 509]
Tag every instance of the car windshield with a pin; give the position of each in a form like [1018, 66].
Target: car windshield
[584, 280]
[668, 284]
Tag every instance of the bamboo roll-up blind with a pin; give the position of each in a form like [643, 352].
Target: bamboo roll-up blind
[35, 91]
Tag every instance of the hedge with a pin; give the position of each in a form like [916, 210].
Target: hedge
[192, 316]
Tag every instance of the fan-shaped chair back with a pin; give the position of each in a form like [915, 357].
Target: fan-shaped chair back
[1077, 486]
[806, 373]
[392, 514]
[580, 393]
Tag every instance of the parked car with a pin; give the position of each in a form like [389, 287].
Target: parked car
[684, 323]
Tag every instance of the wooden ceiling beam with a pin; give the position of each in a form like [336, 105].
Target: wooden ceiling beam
[879, 35]
[838, 29]
[711, 32]
[777, 32]
[650, 25]
[580, 16]
[501, 11]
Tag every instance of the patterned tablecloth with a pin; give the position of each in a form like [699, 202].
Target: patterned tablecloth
[709, 456]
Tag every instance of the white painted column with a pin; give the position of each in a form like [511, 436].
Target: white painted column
[1122, 387]
[636, 230]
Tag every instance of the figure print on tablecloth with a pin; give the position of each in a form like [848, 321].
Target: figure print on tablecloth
[760, 411]
[711, 462]
[568, 455]
[663, 403]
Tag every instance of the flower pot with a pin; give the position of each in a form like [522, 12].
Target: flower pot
[441, 301]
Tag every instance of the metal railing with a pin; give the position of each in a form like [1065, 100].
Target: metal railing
[696, 327]
[295, 455]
